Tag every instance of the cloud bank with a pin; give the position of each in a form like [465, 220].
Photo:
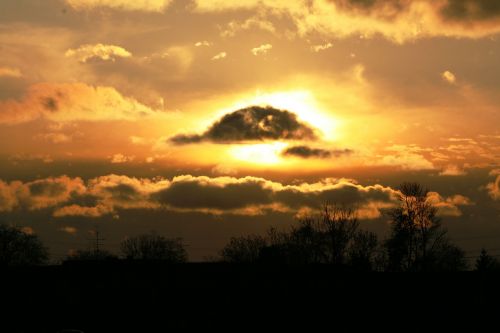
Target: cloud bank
[212, 195]
[397, 20]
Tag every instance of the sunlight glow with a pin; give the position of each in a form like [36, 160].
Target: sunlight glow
[265, 153]
[300, 102]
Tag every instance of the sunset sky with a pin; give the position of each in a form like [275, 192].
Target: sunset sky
[207, 119]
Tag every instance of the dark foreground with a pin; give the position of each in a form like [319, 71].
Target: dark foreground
[154, 297]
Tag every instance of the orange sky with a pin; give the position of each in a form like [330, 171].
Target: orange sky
[356, 93]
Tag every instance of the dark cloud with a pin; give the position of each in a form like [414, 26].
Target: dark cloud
[384, 9]
[471, 9]
[251, 124]
[50, 104]
[459, 10]
[194, 194]
[47, 188]
[123, 192]
[307, 152]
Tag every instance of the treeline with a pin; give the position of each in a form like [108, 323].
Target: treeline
[417, 242]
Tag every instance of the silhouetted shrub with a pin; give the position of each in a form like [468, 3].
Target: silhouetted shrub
[154, 247]
[19, 248]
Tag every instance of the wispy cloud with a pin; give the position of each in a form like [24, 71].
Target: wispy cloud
[104, 52]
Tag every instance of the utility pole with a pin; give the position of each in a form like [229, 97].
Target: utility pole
[97, 241]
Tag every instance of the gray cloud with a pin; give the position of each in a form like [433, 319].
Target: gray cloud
[458, 10]
[308, 152]
[474, 10]
[252, 124]
[214, 196]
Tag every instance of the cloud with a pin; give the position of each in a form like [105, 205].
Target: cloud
[77, 210]
[452, 170]
[69, 230]
[448, 206]
[307, 152]
[449, 77]
[219, 56]
[251, 23]
[261, 50]
[67, 102]
[89, 52]
[39, 194]
[494, 188]
[10, 72]
[471, 10]
[139, 5]
[321, 47]
[203, 43]
[55, 137]
[107, 195]
[120, 158]
[254, 123]
[408, 157]
[494, 172]
[396, 20]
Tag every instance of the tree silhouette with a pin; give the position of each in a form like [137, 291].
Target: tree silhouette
[91, 255]
[331, 237]
[340, 226]
[20, 248]
[418, 241]
[246, 249]
[487, 263]
[154, 247]
[363, 251]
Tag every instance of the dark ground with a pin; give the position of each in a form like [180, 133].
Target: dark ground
[156, 297]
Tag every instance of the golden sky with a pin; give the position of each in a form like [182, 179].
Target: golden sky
[254, 111]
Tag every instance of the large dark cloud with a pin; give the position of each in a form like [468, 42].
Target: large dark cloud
[458, 10]
[471, 9]
[308, 152]
[254, 123]
[213, 196]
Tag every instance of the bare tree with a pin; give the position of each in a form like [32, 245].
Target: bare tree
[20, 248]
[245, 249]
[339, 225]
[154, 247]
[418, 241]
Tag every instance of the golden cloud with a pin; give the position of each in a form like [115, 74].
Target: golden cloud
[88, 52]
[448, 206]
[140, 5]
[398, 20]
[39, 194]
[494, 188]
[10, 72]
[260, 50]
[71, 102]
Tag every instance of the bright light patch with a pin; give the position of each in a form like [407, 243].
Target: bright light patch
[265, 153]
[300, 102]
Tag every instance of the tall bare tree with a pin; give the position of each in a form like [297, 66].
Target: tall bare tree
[418, 242]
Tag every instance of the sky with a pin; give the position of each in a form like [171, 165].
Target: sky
[208, 119]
